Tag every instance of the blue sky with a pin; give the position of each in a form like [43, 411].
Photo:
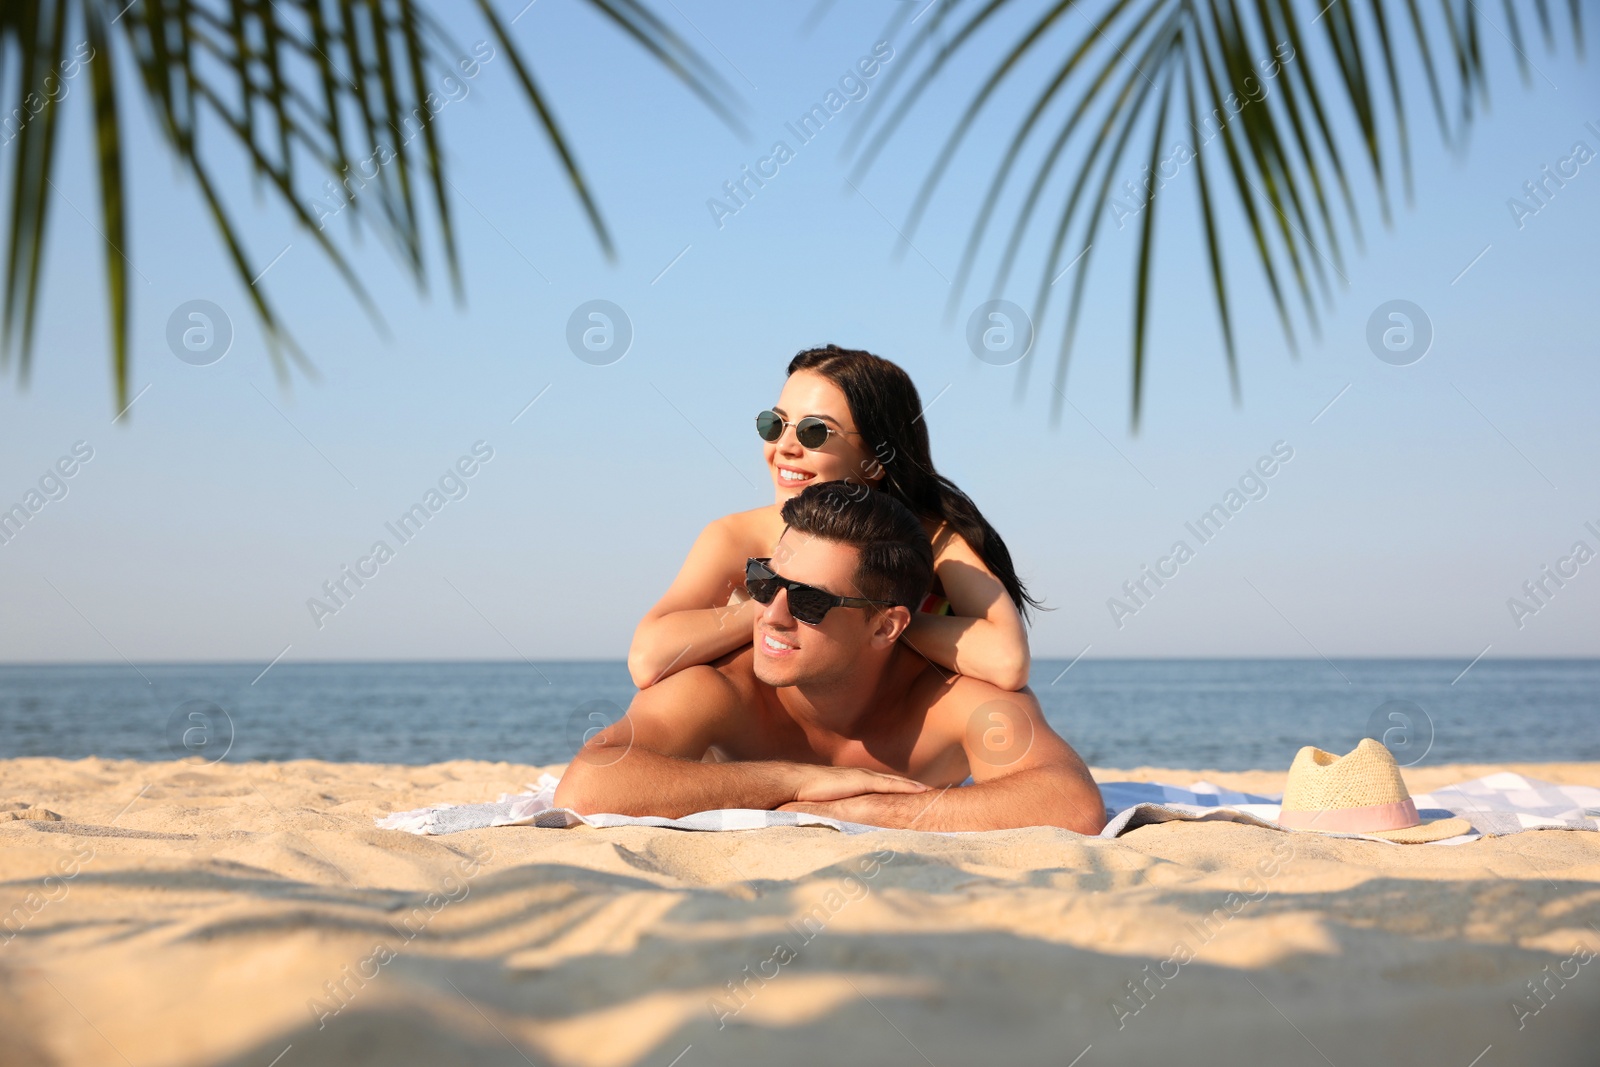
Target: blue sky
[1417, 501]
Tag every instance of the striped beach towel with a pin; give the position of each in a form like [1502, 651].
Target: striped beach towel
[1497, 804]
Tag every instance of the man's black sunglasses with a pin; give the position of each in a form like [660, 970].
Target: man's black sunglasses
[807, 603]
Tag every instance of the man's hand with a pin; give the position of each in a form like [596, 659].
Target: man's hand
[820, 784]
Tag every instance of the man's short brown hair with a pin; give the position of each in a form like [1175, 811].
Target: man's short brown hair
[896, 558]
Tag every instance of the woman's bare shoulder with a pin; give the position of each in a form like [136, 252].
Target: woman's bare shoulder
[756, 528]
[766, 513]
[946, 541]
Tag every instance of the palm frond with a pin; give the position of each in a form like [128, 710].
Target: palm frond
[335, 94]
[1292, 100]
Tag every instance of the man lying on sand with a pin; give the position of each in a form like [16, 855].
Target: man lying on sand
[829, 711]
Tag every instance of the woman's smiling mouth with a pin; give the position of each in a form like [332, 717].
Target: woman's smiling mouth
[792, 476]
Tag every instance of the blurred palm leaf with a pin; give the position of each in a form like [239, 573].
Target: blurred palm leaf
[311, 90]
[1295, 101]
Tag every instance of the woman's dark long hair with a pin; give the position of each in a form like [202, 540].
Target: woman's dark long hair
[888, 416]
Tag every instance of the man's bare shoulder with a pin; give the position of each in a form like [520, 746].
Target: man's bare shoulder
[974, 691]
[737, 672]
[952, 701]
[930, 686]
[686, 714]
[701, 690]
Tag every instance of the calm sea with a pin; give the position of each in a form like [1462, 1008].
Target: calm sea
[1227, 714]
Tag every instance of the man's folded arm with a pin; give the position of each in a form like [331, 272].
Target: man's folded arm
[1024, 773]
[650, 761]
[1045, 795]
[642, 782]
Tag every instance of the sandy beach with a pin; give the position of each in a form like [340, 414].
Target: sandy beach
[169, 914]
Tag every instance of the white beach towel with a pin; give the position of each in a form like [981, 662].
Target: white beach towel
[1498, 804]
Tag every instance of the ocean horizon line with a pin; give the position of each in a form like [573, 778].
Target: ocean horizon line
[466, 661]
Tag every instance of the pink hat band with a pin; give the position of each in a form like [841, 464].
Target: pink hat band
[1400, 815]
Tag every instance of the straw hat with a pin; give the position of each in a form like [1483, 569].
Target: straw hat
[1361, 793]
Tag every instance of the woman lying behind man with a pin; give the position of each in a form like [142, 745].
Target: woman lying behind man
[848, 415]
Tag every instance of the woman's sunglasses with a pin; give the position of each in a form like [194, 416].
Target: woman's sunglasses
[807, 603]
[810, 431]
